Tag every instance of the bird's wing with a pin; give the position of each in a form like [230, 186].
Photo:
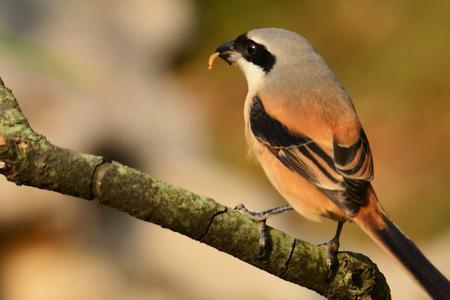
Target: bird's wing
[343, 176]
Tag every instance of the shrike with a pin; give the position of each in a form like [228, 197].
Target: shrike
[302, 127]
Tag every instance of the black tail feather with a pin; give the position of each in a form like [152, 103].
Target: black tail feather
[405, 251]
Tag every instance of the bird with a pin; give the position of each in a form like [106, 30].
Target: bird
[303, 129]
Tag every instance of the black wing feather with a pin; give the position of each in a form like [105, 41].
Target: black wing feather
[349, 178]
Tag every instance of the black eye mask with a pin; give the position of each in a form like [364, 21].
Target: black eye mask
[254, 52]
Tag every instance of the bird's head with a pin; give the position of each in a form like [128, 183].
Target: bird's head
[268, 53]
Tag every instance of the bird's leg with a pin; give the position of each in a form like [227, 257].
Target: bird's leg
[333, 249]
[261, 218]
[265, 214]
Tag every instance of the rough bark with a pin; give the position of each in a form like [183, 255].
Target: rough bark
[28, 158]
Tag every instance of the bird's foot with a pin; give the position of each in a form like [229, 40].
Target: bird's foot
[260, 218]
[332, 247]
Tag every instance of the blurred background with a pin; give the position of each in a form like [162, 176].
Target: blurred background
[128, 80]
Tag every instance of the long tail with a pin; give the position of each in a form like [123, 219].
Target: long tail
[375, 222]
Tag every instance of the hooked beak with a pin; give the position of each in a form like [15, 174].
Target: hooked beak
[225, 51]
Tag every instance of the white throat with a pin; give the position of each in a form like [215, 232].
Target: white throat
[253, 73]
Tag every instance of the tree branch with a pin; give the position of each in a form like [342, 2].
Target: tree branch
[28, 158]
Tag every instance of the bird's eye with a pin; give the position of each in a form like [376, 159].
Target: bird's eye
[251, 48]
